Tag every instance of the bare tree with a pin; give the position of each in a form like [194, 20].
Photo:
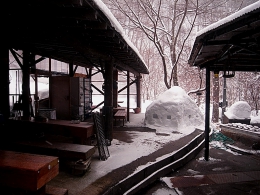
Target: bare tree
[167, 23]
[170, 25]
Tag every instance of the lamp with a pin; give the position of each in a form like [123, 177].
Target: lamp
[229, 68]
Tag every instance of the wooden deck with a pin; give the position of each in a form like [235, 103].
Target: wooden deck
[81, 132]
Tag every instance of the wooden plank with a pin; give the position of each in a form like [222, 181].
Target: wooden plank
[27, 171]
[62, 150]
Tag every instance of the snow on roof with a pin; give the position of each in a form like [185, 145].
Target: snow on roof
[227, 19]
[114, 22]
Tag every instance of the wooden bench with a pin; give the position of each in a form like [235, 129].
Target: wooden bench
[118, 108]
[29, 172]
[120, 115]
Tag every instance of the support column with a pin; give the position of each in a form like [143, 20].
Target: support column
[138, 91]
[4, 79]
[128, 95]
[207, 114]
[26, 85]
[115, 87]
[36, 95]
[224, 101]
[71, 73]
[108, 101]
[50, 75]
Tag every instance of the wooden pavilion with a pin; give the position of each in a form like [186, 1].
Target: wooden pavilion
[229, 45]
[79, 33]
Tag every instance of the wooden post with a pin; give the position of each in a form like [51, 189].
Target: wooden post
[49, 82]
[207, 113]
[71, 73]
[224, 99]
[138, 91]
[108, 101]
[115, 87]
[128, 95]
[26, 85]
[36, 95]
[4, 79]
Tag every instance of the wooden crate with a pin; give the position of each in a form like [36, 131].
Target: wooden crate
[27, 171]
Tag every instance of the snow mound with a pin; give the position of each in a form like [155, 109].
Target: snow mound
[174, 111]
[255, 120]
[239, 110]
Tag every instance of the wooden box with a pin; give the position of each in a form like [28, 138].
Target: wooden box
[27, 171]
